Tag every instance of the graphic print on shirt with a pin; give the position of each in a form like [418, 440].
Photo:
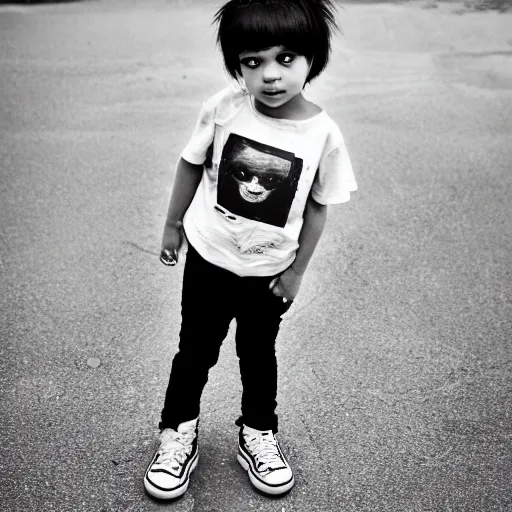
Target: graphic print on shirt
[257, 181]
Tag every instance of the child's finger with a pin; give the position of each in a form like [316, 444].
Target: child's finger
[169, 258]
[277, 291]
[275, 287]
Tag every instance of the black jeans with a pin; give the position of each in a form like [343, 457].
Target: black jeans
[211, 298]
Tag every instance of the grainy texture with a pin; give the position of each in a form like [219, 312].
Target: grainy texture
[395, 361]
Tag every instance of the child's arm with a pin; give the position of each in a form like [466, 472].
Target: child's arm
[185, 185]
[289, 281]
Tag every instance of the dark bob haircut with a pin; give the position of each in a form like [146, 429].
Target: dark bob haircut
[302, 26]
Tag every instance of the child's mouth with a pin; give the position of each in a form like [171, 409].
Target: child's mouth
[273, 94]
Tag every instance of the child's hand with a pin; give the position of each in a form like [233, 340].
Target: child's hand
[171, 243]
[287, 285]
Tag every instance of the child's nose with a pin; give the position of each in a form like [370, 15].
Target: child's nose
[271, 73]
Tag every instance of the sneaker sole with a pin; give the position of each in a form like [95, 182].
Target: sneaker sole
[161, 494]
[268, 489]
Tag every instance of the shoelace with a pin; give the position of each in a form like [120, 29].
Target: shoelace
[264, 449]
[175, 447]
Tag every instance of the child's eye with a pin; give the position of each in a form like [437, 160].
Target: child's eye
[286, 58]
[250, 62]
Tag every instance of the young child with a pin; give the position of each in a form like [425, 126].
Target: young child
[250, 194]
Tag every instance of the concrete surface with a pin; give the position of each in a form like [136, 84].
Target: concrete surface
[395, 362]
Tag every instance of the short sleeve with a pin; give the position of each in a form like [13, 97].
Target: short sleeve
[213, 111]
[334, 180]
[202, 137]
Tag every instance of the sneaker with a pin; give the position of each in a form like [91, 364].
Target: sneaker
[168, 473]
[260, 455]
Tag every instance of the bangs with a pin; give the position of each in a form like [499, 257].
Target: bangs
[258, 27]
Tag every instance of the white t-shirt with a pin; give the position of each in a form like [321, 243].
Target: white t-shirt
[248, 209]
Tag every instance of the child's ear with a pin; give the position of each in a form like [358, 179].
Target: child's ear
[310, 61]
[241, 81]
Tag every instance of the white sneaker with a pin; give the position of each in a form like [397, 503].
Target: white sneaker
[168, 473]
[260, 455]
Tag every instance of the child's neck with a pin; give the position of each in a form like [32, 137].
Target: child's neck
[297, 109]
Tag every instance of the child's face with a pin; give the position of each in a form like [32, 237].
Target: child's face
[275, 77]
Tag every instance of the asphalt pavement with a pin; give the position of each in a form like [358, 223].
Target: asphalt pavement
[395, 361]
